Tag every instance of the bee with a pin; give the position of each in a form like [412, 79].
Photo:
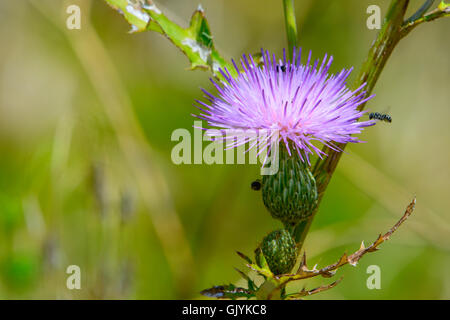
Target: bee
[281, 67]
[380, 116]
[256, 185]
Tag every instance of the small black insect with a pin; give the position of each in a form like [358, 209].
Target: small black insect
[281, 67]
[256, 185]
[379, 116]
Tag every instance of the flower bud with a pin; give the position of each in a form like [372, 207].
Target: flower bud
[290, 195]
[280, 251]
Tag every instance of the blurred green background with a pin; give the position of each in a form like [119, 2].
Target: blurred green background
[86, 176]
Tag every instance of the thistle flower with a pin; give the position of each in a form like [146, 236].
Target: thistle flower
[303, 103]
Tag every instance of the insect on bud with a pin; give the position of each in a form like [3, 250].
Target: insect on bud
[256, 185]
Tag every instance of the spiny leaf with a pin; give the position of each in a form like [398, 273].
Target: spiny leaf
[265, 272]
[304, 292]
[135, 15]
[328, 271]
[229, 291]
[243, 256]
[196, 41]
[199, 28]
[303, 272]
[251, 285]
[355, 257]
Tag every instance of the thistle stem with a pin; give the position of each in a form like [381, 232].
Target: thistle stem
[422, 10]
[291, 25]
[387, 39]
[442, 11]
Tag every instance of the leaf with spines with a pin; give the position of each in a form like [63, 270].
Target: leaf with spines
[243, 256]
[304, 292]
[250, 283]
[229, 291]
[195, 41]
[135, 15]
[279, 282]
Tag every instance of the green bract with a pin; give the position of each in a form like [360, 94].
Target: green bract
[290, 195]
[280, 251]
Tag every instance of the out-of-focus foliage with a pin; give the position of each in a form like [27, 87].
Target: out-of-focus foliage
[68, 195]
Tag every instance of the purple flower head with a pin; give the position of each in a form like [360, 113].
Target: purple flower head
[303, 103]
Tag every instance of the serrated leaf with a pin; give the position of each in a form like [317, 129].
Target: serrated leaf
[229, 291]
[196, 42]
[304, 292]
[199, 29]
[260, 259]
[243, 256]
[250, 284]
[135, 15]
[265, 272]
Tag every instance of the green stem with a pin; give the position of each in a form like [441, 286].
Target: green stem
[393, 30]
[384, 45]
[422, 10]
[269, 290]
[442, 11]
[291, 25]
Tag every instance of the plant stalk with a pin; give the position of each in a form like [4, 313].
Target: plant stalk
[291, 25]
[379, 53]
